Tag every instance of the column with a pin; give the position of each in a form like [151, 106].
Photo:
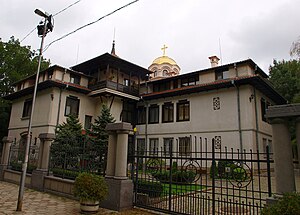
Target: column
[111, 154]
[46, 141]
[283, 158]
[121, 155]
[119, 186]
[7, 141]
[37, 176]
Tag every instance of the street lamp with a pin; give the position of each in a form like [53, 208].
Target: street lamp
[46, 27]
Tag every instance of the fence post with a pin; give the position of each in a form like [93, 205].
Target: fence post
[37, 177]
[120, 188]
[7, 141]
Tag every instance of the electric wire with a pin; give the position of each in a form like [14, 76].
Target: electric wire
[52, 16]
[91, 23]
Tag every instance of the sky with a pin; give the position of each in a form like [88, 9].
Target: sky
[193, 30]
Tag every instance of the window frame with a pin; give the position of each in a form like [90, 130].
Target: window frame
[153, 150]
[141, 146]
[27, 107]
[185, 144]
[142, 111]
[152, 108]
[75, 79]
[74, 98]
[168, 141]
[168, 106]
[186, 113]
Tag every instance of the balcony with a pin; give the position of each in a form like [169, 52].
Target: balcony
[132, 90]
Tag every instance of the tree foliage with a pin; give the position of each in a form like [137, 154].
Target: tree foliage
[16, 63]
[99, 135]
[285, 76]
[67, 143]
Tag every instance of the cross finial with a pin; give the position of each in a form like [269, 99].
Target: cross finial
[164, 49]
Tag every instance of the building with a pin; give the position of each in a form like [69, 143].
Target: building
[225, 102]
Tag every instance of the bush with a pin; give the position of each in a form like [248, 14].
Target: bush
[288, 204]
[64, 173]
[90, 187]
[151, 188]
[181, 177]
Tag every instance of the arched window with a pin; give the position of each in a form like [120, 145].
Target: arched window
[165, 72]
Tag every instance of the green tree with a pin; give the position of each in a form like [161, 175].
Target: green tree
[99, 135]
[16, 63]
[67, 144]
[285, 76]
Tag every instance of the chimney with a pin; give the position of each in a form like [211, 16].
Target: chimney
[214, 60]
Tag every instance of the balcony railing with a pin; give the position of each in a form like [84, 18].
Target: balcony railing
[115, 86]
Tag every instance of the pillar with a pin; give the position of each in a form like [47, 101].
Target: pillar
[283, 158]
[121, 154]
[7, 141]
[120, 188]
[111, 154]
[37, 177]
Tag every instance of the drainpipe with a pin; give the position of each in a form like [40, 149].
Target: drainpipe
[256, 118]
[239, 110]
[59, 100]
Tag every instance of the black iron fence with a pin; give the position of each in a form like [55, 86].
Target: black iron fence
[17, 155]
[200, 177]
[69, 157]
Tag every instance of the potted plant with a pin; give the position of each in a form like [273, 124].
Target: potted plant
[91, 190]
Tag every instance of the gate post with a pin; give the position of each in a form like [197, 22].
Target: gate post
[7, 141]
[37, 177]
[120, 188]
[283, 158]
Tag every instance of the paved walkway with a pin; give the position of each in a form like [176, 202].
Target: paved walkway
[40, 203]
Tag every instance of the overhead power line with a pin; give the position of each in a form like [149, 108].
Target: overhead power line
[53, 16]
[91, 23]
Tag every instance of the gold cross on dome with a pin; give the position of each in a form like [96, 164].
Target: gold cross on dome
[164, 49]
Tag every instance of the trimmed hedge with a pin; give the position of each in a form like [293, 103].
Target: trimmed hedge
[151, 188]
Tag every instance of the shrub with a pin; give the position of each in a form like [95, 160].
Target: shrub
[288, 204]
[64, 173]
[152, 188]
[174, 167]
[182, 177]
[90, 187]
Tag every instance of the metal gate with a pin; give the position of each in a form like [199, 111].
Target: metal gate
[197, 176]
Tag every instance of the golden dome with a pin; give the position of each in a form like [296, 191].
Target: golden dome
[164, 59]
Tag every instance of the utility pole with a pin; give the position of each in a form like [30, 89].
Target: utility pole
[43, 29]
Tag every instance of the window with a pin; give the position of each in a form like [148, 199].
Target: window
[126, 82]
[168, 144]
[155, 73]
[141, 115]
[87, 122]
[153, 114]
[222, 74]
[168, 112]
[141, 146]
[216, 103]
[162, 86]
[184, 146]
[27, 108]
[72, 106]
[183, 111]
[165, 72]
[128, 111]
[75, 79]
[264, 106]
[50, 74]
[190, 81]
[153, 146]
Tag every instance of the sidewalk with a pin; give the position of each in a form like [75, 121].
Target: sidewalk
[40, 203]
